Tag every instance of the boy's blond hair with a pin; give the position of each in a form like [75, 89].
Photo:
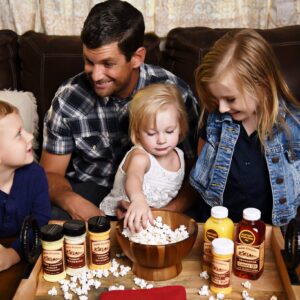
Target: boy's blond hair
[250, 59]
[147, 102]
[6, 109]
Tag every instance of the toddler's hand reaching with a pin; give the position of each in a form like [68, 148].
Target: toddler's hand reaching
[137, 215]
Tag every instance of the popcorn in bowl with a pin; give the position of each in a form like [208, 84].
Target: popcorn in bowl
[157, 234]
[156, 253]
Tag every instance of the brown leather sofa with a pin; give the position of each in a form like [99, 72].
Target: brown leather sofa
[39, 63]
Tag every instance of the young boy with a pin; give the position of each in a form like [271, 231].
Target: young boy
[23, 184]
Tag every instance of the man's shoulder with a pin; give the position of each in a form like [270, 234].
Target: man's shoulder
[79, 81]
[154, 74]
[74, 95]
[160, 73]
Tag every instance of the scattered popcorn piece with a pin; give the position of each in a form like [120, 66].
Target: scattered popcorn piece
[149, 286]
[97, 284]
[245, 294]
[273, 298]
[68, 296]
[64, 288]
[116, 274]
[248, 298]
[211, 298]
[105, 273]
[52, 292]
[204, 275]
[203, 291]
[246, 284]
[140, 282]
[220, 296]
[83, 298]
[115, 287]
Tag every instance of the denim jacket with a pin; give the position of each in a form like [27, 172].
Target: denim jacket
[209, 175]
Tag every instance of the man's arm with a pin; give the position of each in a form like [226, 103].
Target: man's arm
[60, 190]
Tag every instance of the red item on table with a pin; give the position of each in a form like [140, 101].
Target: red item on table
[175, 292]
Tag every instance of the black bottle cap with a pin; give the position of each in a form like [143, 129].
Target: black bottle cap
[51, 232]
[98, 224]
[74, 228]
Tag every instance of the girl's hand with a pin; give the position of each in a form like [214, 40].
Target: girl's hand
[8, 258]
[137, 215]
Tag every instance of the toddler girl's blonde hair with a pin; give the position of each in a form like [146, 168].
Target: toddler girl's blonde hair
[247, 56]
[6, 109]
[147, 102]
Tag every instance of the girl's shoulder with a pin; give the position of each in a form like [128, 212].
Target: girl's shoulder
[136, 155]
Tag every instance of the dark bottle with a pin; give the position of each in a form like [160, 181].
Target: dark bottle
[249, 252]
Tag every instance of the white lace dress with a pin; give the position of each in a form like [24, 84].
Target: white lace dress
[160, 186]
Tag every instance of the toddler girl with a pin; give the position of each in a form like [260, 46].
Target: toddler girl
[152, 172]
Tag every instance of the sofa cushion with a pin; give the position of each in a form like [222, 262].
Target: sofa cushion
[185, 48]
[9, 62]
[46, 61]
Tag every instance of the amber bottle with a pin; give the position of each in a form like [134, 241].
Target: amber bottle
[249, 251]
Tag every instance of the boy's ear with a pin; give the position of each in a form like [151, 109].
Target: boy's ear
[138, 57]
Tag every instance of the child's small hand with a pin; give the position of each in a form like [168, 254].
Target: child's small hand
[8, 258]
[137, 215]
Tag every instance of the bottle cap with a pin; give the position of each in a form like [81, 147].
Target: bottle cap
[222, 246]
[74, 228]
[219, 212]
[251, 214]
[98, 224]
[52, 232]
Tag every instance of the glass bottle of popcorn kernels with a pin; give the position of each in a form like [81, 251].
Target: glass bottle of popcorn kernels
[249, 251]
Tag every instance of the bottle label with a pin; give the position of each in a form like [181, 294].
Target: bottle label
[207, 255]
[53, 261]
[100, 252]
[249, 258]
[247, 237]
[220, 272]
[75, 255]
[211, 234]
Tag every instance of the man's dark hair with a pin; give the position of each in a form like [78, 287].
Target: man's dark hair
[114, 21]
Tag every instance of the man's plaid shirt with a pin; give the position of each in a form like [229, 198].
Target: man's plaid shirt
[95, 130]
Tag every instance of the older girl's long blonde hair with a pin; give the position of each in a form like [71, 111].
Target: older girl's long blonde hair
[252, 62]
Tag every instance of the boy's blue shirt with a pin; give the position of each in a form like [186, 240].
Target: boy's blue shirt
[209, 175]
[28, 196]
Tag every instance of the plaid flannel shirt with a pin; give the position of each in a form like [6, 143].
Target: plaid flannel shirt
[95, 130]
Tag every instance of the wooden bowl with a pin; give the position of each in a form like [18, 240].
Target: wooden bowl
[159, 262]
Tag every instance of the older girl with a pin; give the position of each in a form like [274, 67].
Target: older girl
[249, 147]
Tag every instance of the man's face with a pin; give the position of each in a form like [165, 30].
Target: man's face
[109, 72]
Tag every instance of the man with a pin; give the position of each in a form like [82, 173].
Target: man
[87, 123]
